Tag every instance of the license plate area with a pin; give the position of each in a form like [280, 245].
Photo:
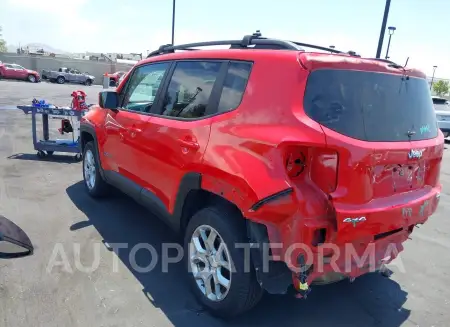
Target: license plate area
[398, 178]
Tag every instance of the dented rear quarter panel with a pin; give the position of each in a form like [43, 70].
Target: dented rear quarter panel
[244, 158]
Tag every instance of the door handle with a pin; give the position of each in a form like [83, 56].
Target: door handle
[189, 144]
[133, 131]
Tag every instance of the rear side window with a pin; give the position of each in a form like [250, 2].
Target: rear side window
[190, 88]
[234, 85]
[371, 106]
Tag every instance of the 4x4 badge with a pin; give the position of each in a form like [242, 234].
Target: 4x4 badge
[354, 221]
[415, 153]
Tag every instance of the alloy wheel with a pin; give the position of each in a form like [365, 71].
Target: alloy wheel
[89, 169]
[210, 263]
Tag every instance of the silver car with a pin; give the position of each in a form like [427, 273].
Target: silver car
[442, 108]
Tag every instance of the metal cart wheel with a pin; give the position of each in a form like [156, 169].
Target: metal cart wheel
[77, 157]
[41, 154]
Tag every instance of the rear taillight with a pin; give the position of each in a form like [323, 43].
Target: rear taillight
[320, 165]
[324, 169]
[295, 160]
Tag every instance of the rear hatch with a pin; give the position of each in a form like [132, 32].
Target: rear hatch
[383, 128]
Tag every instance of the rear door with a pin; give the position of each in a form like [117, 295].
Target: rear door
[179, 128]
[9, 71]
[383, 128]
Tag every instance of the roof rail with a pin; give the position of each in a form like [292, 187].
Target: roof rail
[252, 41]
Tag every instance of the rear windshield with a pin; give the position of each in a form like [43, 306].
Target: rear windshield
[370, 106]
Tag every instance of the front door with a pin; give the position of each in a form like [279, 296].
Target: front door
[127, 128]
[20, 72]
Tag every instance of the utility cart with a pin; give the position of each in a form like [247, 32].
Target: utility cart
[46, 146]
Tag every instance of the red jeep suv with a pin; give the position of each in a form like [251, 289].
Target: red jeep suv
[283, 168]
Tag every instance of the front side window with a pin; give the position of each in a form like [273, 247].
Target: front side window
[190, 89]
[142, 86]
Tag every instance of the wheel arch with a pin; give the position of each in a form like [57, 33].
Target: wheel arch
[87, 134]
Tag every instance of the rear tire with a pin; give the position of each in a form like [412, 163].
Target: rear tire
[243, 292]
[60, 80]
[93, 181]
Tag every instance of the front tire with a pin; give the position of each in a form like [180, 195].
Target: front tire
[60, 80]
[211, 240]
[88, 82]
[93, 181]
[31, 78]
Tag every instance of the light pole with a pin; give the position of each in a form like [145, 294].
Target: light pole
[383, 28]
[391, 30]
[432, 78]
[173, 22]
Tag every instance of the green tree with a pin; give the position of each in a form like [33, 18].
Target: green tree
[441, 88]
[2, 42]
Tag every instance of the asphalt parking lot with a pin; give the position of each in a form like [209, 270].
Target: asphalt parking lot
[47, 199]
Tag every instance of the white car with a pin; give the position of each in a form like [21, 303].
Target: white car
[442, 108]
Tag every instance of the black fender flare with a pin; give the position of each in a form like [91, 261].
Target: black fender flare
[89, 129]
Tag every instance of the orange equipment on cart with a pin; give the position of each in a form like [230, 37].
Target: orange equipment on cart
[79, 104]
[79, 100]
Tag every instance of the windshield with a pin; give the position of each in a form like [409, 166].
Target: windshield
[371, 106]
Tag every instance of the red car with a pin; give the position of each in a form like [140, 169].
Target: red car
[115, 77]
[282, 168]
[14, 71]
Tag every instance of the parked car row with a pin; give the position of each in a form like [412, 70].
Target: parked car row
[17, 72]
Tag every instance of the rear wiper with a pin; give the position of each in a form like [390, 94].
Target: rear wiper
[410, 133]
[397, 66]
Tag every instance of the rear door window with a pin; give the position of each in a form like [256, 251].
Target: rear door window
[371, 106]
[190, 89]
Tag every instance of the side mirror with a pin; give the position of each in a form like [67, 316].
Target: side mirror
[108, 100]
[14, 243]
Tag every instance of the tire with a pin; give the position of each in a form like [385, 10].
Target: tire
[96, 187]
[244, 292]
[446, 134]
[60, 80]
[31, 78]
[88, 82]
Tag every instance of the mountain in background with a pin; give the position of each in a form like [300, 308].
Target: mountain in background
[35, 46]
